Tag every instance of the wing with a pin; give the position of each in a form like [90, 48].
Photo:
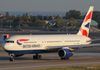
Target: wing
[85, 46]
[94, 40]
[73, 47]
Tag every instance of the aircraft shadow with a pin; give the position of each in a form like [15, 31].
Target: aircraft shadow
[24, 58]
[16, 58]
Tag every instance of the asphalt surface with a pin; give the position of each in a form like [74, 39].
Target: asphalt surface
[85, 56]
[48, 60]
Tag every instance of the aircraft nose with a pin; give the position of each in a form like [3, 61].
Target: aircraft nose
[7, 46]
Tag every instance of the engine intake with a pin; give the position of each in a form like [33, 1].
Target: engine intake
[65, 53]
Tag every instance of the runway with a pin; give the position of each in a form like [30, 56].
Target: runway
[48, 60]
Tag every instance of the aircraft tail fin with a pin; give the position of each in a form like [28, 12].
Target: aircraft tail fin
[84, 30]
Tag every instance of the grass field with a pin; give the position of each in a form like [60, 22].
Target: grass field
[1, 49]
[91, 67]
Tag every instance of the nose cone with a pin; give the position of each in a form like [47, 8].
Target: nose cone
[7, 46]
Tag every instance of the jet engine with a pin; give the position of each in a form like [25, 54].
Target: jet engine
[65, 53]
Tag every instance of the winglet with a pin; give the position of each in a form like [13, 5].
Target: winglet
[84, 30]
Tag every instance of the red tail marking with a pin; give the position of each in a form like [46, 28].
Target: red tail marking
[89, 16]
[84, 32]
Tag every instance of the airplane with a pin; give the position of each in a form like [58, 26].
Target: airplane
[64, 44]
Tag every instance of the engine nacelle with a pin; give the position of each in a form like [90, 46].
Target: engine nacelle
[65, 53]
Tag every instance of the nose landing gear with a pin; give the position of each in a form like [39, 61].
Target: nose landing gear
[11, 57]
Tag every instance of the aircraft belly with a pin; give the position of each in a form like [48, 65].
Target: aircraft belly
[24, 51]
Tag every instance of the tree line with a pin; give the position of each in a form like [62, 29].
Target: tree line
[78, 15]
[25, 20]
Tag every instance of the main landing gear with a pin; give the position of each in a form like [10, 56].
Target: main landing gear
[37, 56]
[11, 57]
[65, 58]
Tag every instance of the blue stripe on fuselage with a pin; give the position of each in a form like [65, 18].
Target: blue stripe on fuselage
[25, 51]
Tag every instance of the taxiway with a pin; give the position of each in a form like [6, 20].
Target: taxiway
[48, 60]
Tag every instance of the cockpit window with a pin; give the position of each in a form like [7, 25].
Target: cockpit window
[9, 41]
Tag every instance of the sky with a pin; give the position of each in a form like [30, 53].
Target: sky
[48, 5]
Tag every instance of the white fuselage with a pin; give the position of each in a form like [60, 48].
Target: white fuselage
[30, 43]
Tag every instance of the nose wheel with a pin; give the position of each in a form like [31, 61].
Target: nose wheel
[37, 56]
[11, 57]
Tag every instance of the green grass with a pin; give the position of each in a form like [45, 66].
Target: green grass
[91, 67]
[1, 49]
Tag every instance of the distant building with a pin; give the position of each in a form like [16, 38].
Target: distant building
[93, 23]
[47, 22]
[54, 16]
[1, 15]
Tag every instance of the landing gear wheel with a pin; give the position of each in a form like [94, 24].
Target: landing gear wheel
[65, 58]
[11, 59]
[37, 56]
[34, 57]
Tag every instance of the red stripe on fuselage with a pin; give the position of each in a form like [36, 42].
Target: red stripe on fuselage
[22, 40]
[89, 16]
